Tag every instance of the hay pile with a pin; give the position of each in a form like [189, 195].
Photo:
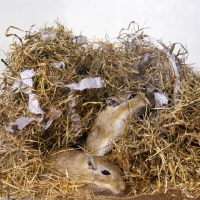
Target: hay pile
[157, 152]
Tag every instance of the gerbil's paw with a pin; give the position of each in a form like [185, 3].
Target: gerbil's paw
[113, 101]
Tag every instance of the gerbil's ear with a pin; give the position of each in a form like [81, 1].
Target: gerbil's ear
[91, 163]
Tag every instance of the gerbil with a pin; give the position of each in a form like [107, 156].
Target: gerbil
[88, 169]
[110, 123]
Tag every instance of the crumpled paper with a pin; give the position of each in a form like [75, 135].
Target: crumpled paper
[25, 85]
[86, 83]
[76, 121]
[21, 123]
[24, 121]
[56, 114]
[80, 40]
[33, 105]
[48, 36]
[58, 64]
[177, 84]
[160, 99]
[25, 81]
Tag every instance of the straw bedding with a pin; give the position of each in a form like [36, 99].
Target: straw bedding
[157, 152]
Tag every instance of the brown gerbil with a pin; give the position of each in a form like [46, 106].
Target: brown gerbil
[110, 123]
[84, 168]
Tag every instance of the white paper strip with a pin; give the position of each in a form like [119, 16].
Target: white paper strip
[58, 64]
[26, 77]
[153, 41]
[76, 121]
[49, 36]
[20, 123]
[33, 105]
[25, 81]
[160, 99]
[80, 40]
[177, 84]
[24, 121]
[86, 83]
[25, 85]
[53, 117]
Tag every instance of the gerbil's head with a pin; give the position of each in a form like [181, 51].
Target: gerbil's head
[154, 98]
[133, 97]
[134, 104]
[105, 174]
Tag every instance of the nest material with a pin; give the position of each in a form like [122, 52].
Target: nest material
[156, 153]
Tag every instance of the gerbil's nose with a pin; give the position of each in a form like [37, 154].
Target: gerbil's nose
[121, 191]
[119, 188]
[122, 187]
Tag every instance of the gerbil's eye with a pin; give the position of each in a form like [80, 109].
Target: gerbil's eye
[132, 96]
[105, 172]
